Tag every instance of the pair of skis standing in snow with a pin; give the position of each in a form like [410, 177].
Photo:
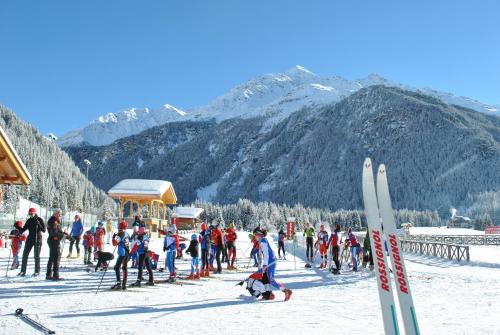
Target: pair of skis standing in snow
[378, 210]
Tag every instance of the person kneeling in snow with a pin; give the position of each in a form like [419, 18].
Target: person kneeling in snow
[269, 268]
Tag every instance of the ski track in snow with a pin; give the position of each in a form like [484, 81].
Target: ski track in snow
[450, 298]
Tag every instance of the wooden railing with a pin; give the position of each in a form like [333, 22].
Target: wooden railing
[456, 239]
[450, 251]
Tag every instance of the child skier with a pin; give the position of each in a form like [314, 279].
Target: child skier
[231, 238]
[88, 243]
[254, 253]
[170, 246]
[204, 241]
[322, 242]
[140, 247]
[281, 243]
[100, 232]
[269, 268]
[76, 235]
[17, 242]
[193, 251]
[103, 259]
[121, 240]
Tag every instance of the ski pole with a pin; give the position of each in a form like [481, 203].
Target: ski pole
[105, 270]
[263, 269]
[294, 246]
[8, 262]
[36, 324]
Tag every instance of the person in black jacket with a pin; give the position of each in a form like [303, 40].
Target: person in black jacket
[35, 226]
[54, 242]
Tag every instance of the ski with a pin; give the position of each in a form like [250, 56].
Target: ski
[400, 277]
[381, 267]
[19, 313]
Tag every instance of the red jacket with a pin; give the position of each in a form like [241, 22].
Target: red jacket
[231, 235]
[89, 240]
[216, 237]
[100, 232]
[16, 238]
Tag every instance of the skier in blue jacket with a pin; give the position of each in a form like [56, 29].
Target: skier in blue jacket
[204, 240]
[269, 267]
[121, 241]
[170, 246]
[75, 236]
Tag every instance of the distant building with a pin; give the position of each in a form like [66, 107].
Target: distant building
[458, 221]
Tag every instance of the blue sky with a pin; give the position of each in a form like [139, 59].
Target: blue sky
[62, 63]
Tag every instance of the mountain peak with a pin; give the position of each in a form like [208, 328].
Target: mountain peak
[300, 71]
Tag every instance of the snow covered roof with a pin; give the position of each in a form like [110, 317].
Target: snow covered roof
[144, 189]
[187, 212]
[12, 168]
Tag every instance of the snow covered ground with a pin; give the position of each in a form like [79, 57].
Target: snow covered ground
[450, 298]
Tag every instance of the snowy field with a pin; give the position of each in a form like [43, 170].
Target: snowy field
[450, 298]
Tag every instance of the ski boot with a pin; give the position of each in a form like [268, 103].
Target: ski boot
[268, 296]
[117, 286]
[197, 275]
[36, 274]
[136, 284]
[171, 279]
[69, 255]
[77, 255]
[21, 274]
[150, 283]
[288, 294]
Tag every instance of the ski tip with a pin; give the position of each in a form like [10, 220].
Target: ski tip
[368, 162]
[381, 168]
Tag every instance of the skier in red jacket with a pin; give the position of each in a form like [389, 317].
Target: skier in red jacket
[231, 238]
[17, 241]
[218, 241]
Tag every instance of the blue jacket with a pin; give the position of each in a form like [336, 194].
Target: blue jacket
[205, 239]
[267, 252]
[123, 244]
[143, 244]
[77, 229]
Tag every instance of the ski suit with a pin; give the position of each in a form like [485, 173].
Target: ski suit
[54, 241]
[76, 235]
[281, 242]
[170, 246]
[204, 240]
[193, 251]
[16, 243]
[141, 246]
[268, 266]
[323, 246]
[355, 249]
[122, 241]
[88, 243]
[334, 242]
[309, 234]
[218, 241]
[35, 226]
[231, 237]
[100, 232]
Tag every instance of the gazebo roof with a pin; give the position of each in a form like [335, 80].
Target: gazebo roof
[144, 189]
[187, 212]
[12, 168]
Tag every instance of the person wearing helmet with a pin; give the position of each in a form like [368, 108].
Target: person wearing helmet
[17, 239]
[231, 238]
[121, 240]
[88, 244]
[100, 233]
[170, 245]
[204, 241]
[35, 227]
[193, 251]
[269, 267]
[141, 246]
[322, 244]
[56, 234]
[76, 235]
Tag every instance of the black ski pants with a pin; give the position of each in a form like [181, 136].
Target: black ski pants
[74, 240]
[309, 247]
[26, 252]
[122, 263]
[281, 246]
[54, 259]
[145, 261]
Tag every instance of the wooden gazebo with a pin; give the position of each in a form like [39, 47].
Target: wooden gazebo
[155, 194]
[12, 169]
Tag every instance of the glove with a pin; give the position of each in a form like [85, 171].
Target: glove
[164, 248]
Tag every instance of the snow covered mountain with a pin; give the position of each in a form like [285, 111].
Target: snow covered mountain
[274, 96]
[438, 155]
